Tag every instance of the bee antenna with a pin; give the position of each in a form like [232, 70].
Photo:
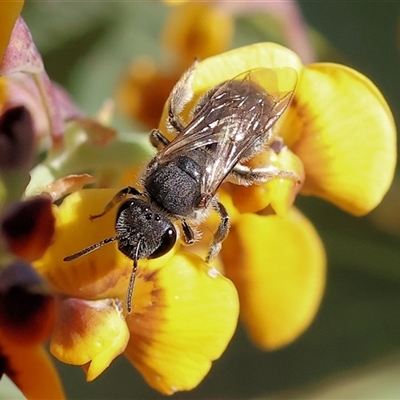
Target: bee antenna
[91, 248]
[132, 279]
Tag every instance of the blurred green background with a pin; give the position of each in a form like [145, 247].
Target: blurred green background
[352, 350]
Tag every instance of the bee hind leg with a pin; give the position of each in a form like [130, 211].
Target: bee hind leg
[246, 176]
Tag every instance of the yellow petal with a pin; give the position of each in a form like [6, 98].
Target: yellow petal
[278, 267]
[9, 12]
[344, 135]
[89, 332]
[217, 69]
[197, 30]
[183, 319]
[31, 369]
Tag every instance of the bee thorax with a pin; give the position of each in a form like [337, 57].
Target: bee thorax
[175, 186]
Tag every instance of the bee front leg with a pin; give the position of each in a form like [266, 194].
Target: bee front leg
[188, 234]
[222, 231]
[246, 176]
[118, 197]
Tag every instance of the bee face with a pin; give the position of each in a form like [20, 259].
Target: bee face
[143, 231]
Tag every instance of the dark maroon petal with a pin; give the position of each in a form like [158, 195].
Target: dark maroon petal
[28, 227]
[26, 304]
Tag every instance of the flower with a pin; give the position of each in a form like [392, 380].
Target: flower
[26, 304]
[27, 317]
[184, 312]
[192, 30]
[339, 138]
[82, 309]
[197, 30]
[31, 120]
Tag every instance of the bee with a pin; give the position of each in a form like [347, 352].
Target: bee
[228, 125]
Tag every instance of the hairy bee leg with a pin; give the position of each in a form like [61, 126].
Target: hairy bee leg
[181, 94]
[221, 233]
[118, 197]
[158, 140]
[175, 122]
[246, 176]
[188, 234]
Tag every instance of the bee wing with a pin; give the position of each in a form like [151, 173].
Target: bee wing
[234, 117]
[229, 152]
[251, 124]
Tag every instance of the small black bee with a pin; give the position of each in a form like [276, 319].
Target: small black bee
[228, 125]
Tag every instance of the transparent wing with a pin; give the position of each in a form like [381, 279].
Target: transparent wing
[231, 119]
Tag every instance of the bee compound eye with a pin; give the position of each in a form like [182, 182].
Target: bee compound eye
[168, 240]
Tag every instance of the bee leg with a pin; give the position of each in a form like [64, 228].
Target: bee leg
[174, 122]
[221, 233]
[188, 233]
[158, 140]
[246, 176]
[181, 94]
[118, 197]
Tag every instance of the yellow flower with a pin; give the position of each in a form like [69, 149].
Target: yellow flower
[30, 115]
[192, 30]
[197, 30]
[339, 138]
[184, 312]
[143, 91]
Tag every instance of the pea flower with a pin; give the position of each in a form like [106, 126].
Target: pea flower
[338, 136]
[192, 30]
[31, 120]
[197, 30]
[26, 303]
[184, 312]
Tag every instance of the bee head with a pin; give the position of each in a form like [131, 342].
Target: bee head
[143, 231]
